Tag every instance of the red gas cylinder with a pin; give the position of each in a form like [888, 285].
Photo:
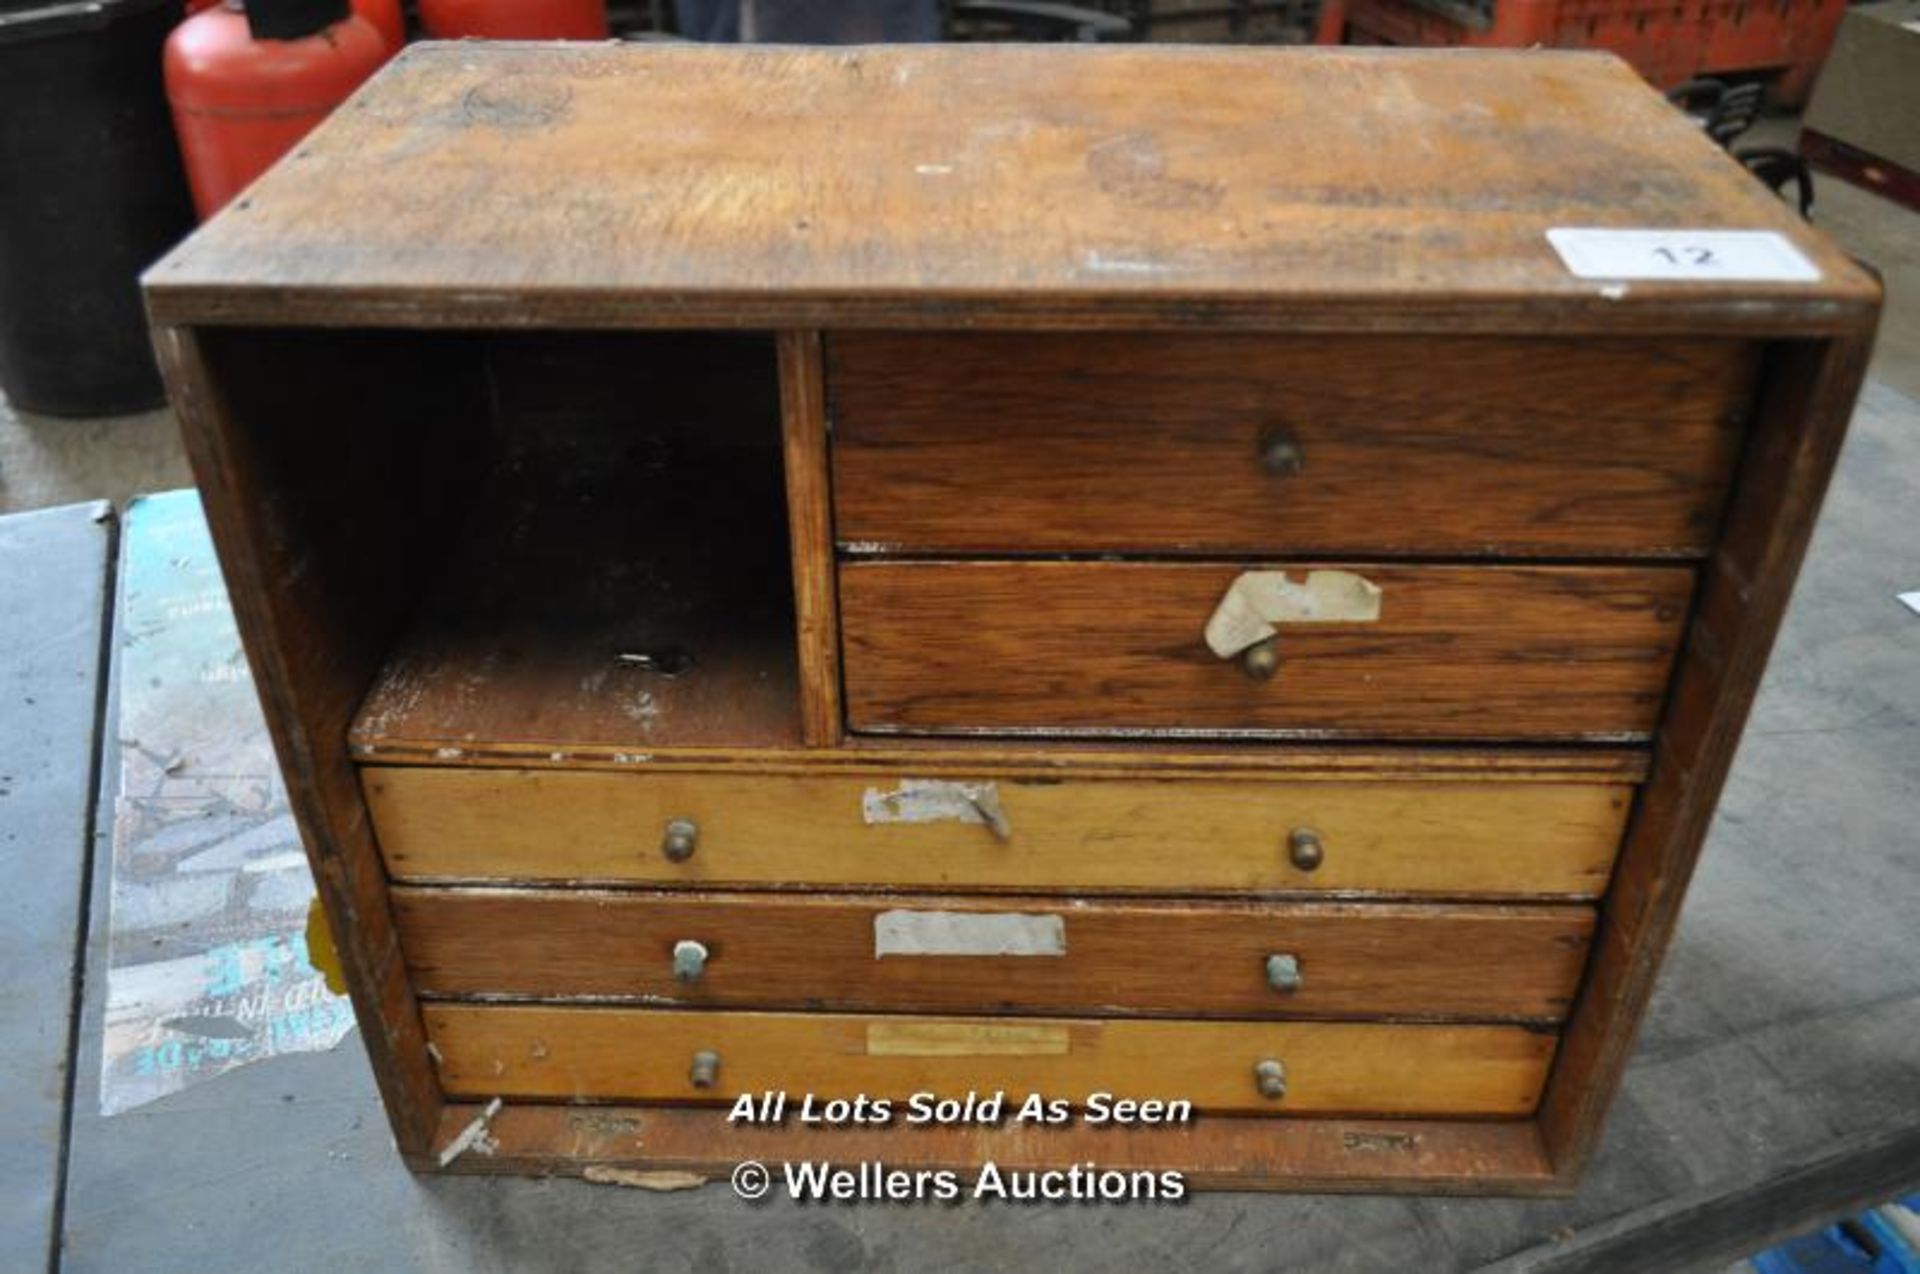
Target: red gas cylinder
[515, 19]
[384, 14]
[246, 87]
[387, 19]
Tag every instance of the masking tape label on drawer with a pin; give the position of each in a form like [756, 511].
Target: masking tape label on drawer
[1744, 256]
[933, 801]
[1257, 601]
[966, 1039]
[965, 933]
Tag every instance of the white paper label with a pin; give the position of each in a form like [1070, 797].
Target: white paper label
[936, 801]
[967, 933]
[1752, 256]
[1910, 600]
[1258, 600]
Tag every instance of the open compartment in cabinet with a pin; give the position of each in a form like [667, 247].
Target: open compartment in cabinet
[556, 539]
[622, 579]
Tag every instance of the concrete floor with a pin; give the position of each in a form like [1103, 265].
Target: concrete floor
[1887, 237]
[47, 462]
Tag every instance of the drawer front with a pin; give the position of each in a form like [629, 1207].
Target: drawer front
[1004, 443]
[1021, 954]
[1465, 837]
[648, 1055]
[1457, 652]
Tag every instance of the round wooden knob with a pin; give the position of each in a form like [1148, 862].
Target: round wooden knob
[1283, 972]
[682, 836]
[1270, 1077]
[1304, 849]
[689, 959]
[1280, 453]
[1261, 660]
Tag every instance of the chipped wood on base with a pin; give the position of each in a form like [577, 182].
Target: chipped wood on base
[1325, 1155]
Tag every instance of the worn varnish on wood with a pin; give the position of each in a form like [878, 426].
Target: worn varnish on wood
[1331, 1067]
[1458, 652]
[732, 591]
[1032, 187]
[1351, 961]
[994, 443]
[1148, 832]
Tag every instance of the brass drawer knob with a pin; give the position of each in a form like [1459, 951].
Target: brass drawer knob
[1304, 849]
[682, 835]
[1280, 453]
[689, 959]
[1261, 660]
[1271, 1078]
[705, 1069]
[1283, 972]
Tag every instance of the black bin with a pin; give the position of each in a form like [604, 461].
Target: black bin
[91, 192]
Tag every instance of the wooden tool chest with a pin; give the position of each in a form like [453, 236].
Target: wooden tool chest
[1019, 570]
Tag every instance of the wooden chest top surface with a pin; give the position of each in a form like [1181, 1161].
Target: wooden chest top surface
[517, 184]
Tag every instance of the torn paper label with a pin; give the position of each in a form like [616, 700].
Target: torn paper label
[1236, 623]
[967, 933]
[1258, 601]
[936, 801]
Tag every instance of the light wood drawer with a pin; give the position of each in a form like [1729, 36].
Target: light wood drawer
[1466, 837]
[647, 1055]
[1457, 652]
[1063, 955]
[1008, 443]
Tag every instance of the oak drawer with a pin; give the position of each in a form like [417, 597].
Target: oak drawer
[1049, 954]
[1163, 443]
[1484, 837]
[1089, 648]
[515, 1051]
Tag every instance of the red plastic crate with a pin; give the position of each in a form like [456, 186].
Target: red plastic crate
[1667, 41]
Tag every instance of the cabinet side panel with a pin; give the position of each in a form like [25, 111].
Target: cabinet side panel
[330, 466]
[1807, 397]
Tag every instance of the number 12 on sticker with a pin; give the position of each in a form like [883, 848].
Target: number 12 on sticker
[1685, 255]
[1727, 256]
